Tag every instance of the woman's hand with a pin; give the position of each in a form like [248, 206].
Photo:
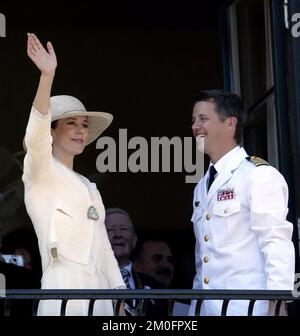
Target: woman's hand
[45, 60]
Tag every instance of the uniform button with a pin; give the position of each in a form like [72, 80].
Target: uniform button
[206, 237]
[225, 211]
[197, 204]
[208, 216]
[206, 280]
[206, 259]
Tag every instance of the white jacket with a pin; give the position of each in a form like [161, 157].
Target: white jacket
[57, 202]
[243, 240]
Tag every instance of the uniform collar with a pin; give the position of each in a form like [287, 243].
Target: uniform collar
[220, 165]
[225, 167]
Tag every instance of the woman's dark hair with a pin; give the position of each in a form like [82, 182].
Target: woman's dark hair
[54, 124]
[227, 105]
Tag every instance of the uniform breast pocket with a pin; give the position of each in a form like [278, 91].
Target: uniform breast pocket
[226, 222]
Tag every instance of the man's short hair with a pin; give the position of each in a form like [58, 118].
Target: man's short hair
[227, 105]
[110, 211]
[140, 249]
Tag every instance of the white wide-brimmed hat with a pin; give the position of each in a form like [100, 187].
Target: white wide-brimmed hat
[64, 106]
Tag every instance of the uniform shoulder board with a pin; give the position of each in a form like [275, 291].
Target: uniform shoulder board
[257, 161]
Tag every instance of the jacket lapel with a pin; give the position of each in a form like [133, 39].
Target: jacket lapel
[78, 184]
[224, 176]
[90, 186]
[200, 195]
[221, 179]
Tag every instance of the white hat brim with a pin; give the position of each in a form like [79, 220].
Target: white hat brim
[98, 122]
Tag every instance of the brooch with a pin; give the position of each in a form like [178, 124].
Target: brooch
[92, 213]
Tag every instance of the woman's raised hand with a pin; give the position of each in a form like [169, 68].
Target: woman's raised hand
[45, 60]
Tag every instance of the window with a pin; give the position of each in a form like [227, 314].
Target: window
[252, 74]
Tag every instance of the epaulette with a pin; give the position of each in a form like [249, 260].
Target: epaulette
[257, 161]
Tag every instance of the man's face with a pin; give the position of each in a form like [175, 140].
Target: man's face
[156, 261]
[121, 236]
[209, 129]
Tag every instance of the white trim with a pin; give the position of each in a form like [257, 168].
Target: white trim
[286, 14]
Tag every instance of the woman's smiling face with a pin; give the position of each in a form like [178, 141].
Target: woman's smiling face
[70, 135]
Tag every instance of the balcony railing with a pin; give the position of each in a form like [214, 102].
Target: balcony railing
[144, 295]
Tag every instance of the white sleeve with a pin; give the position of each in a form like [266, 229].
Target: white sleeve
[38, 142]
[113, 273]
[269, 207]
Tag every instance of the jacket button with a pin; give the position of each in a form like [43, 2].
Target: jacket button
[206, 259]
[225, 211]
[206, 280]
[197, 204]
[206, 237]
[208, 216]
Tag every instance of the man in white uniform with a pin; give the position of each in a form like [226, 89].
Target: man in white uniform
[243, 240]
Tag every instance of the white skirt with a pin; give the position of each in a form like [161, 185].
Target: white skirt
[60, 275]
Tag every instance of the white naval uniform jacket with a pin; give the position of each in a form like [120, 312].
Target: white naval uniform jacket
[57, 202]
[243, 240]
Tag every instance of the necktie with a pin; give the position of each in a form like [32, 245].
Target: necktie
[125, 274]
[212, 174]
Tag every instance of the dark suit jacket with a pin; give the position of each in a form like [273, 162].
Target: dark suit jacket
[148, 307]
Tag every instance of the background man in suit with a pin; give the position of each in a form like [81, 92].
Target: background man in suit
[123, 239]
[154, 258]
[122, 236]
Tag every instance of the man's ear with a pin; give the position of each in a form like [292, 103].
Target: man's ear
[231, 121]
